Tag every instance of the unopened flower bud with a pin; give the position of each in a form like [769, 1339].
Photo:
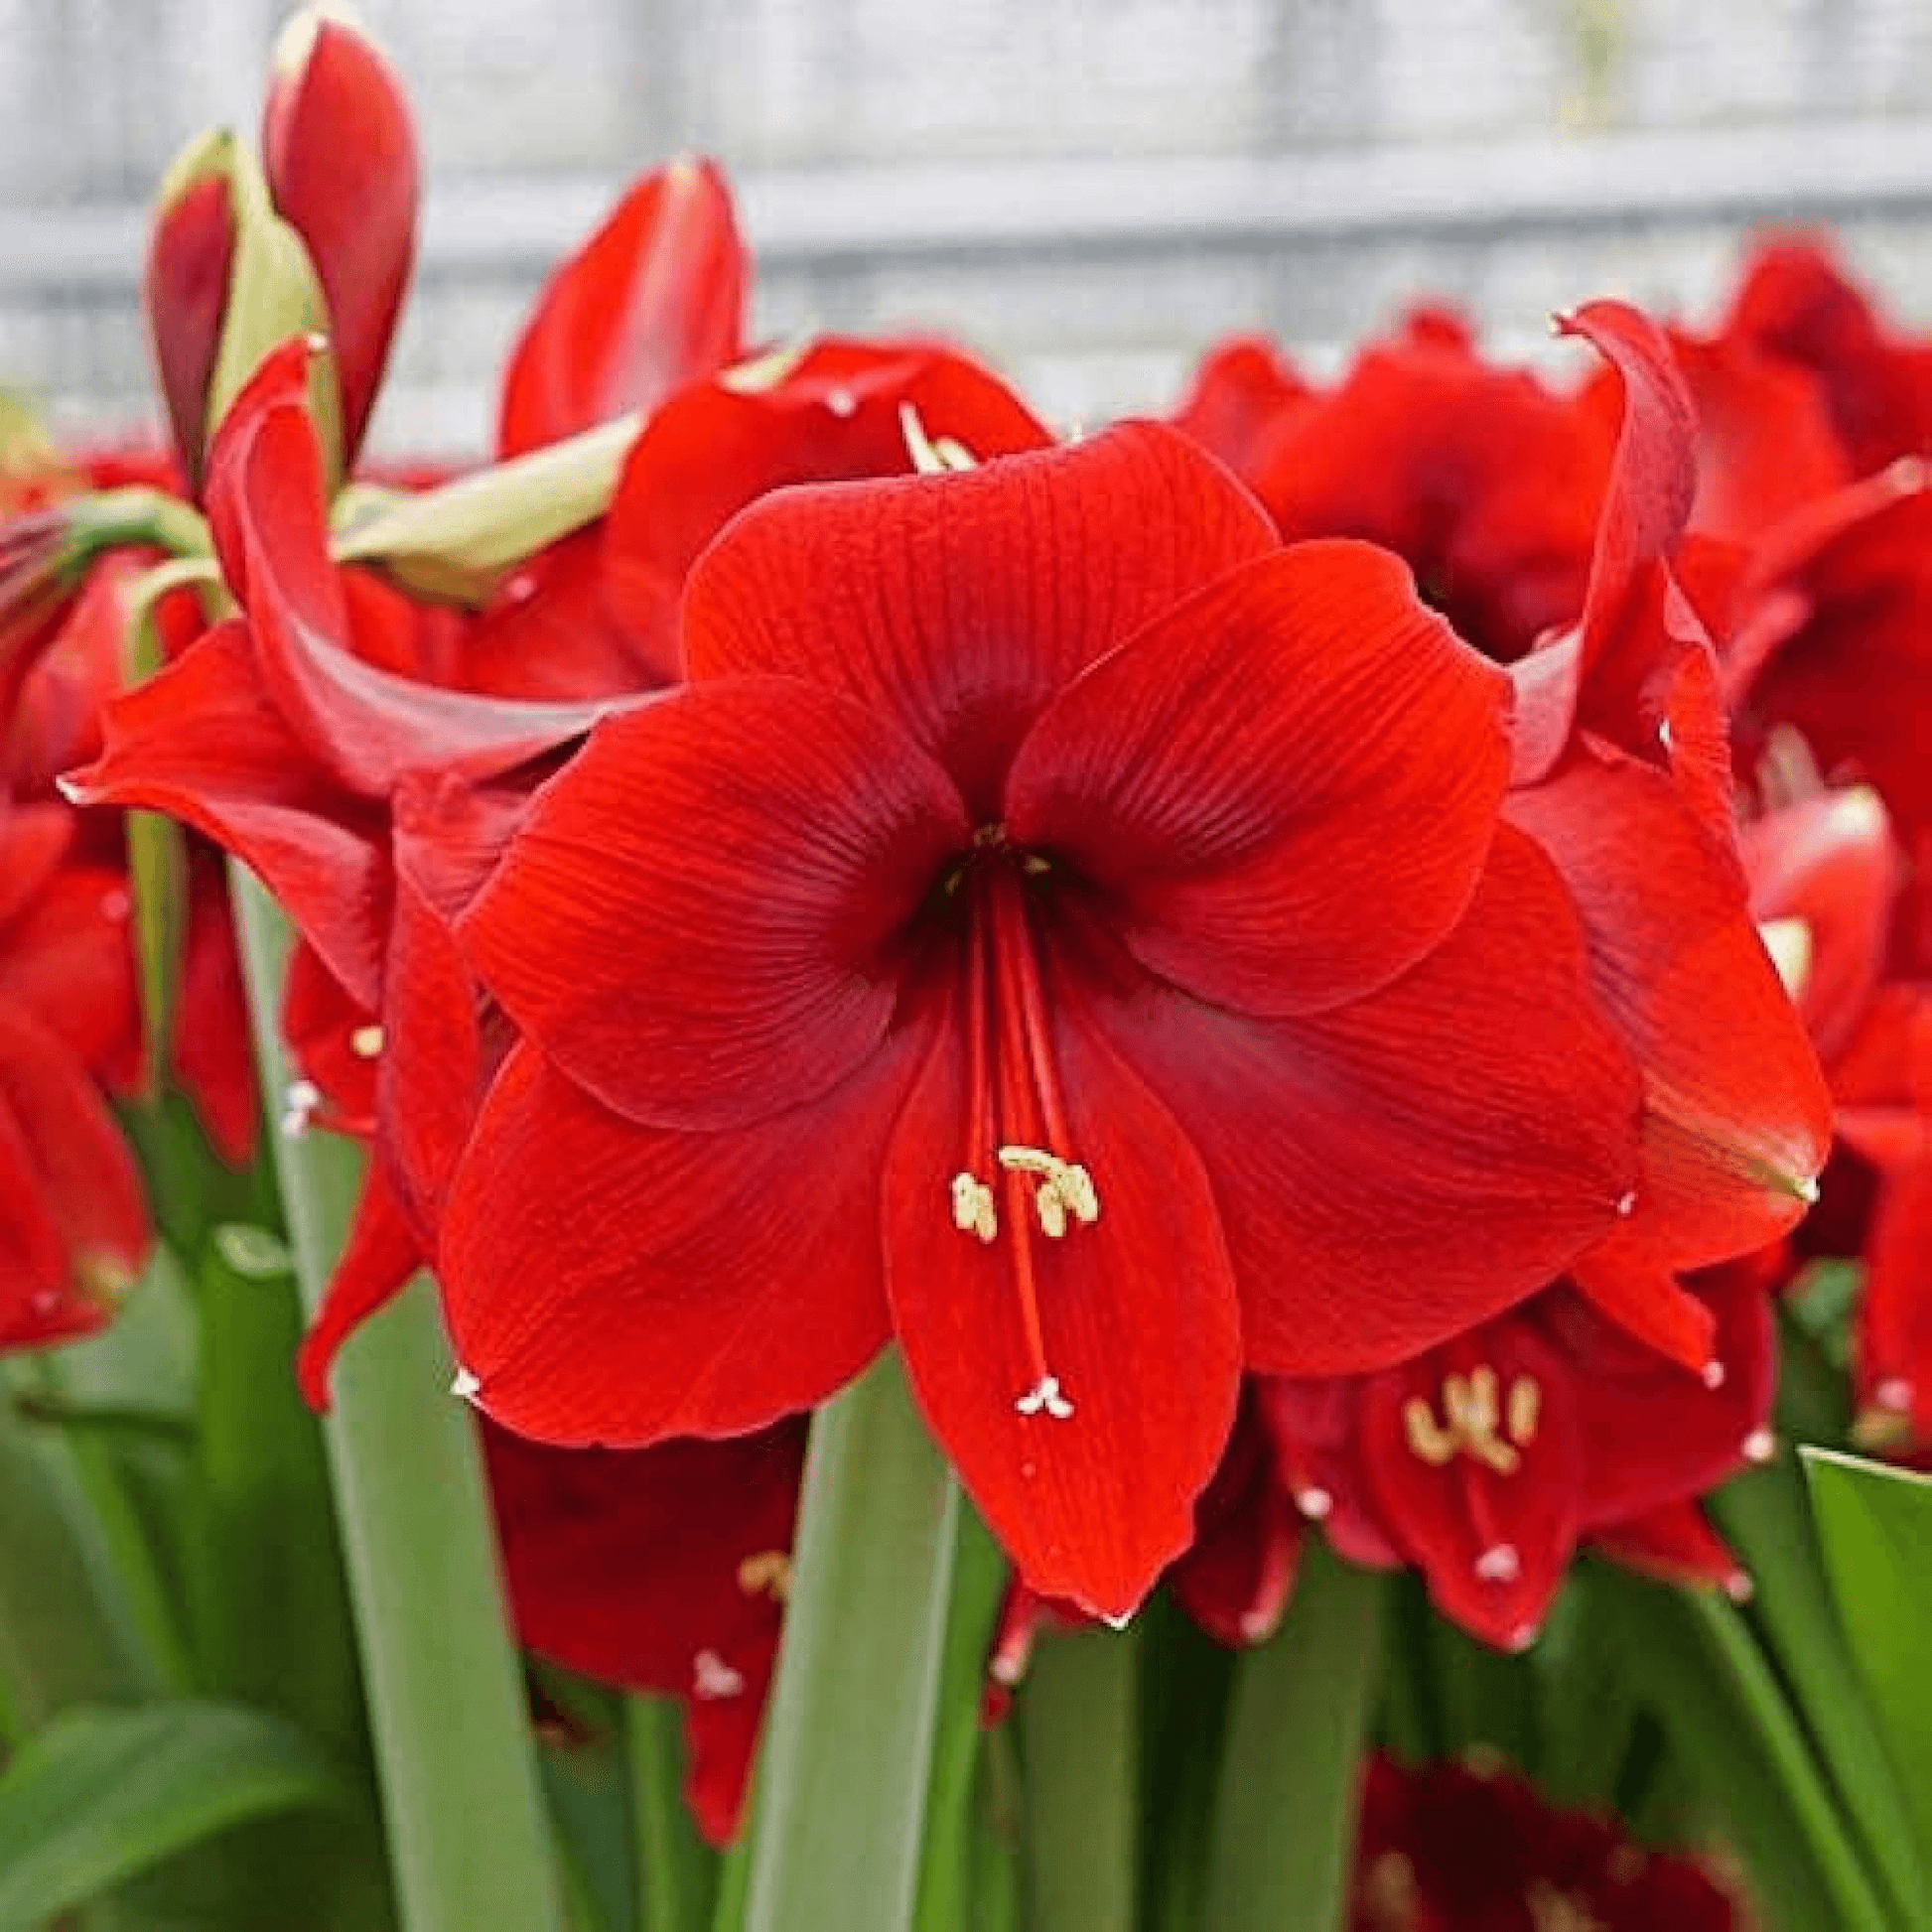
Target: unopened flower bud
[339, 150]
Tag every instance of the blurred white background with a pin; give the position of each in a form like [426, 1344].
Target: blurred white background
[1087, 191]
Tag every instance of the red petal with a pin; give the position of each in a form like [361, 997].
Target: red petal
[1314, 1425]
[1830, 864]
[89, 1184]
[651, 302]
[960, 604]
[699, 921]
[1737, 1119]
[1236, 1579]
[1674, 1436]
[1652, 483]
[1676, 1544]
[720, 445]
[1396, 1171]
[1241, 394]
[380, 1255]
[340, 151]
[1297, 740]
[364, 726]
[34, 839]
[210, 1048]
[608, 1282]
[68, 965]
[1495, 1543]
[204, 742]
[1137, 1315]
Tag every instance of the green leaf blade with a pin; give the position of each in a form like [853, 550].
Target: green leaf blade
[100, 1795]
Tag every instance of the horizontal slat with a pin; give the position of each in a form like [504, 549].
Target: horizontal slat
[835, 218]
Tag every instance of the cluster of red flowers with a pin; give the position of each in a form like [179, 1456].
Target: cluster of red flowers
[1230, 941]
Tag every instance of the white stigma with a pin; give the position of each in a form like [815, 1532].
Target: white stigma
[298, 1108]
[713, 1678]
[1499, 1564]
[466, 1385]
[1046, 1397]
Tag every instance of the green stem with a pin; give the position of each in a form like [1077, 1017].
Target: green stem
[1079, 1720]
[1286, 1821]
[848, 1736]
[673, 1884]
[467, 1837]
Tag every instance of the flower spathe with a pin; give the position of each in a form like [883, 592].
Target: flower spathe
[973, 952]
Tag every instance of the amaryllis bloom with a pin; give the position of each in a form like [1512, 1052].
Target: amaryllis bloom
[660, 1570]
[1473, 1848]
[973, 952]
[1488, 1460]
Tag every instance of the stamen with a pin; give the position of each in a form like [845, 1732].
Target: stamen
[1524, 1409]
[365, 1043]
[1432, 1443]
[973, 1211]
[766, 1572]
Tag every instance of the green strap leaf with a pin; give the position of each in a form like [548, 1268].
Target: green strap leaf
[1876, 1526]
[841, 1808]
[102, 1794]
[1765, 1517]
[1079, 1716]
[1284, 1823]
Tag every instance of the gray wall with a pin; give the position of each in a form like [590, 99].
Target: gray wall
[1088, 191]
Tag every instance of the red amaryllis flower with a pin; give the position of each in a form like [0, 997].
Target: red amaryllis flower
[1466, 1848]
[1486, 1461]
[659, 1570]
[972, 952]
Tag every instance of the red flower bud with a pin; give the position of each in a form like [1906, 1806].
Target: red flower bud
[339, 151]
[190, 257]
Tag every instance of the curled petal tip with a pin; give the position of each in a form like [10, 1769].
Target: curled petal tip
[1118, 1622]
[73, 787]
[1522, 1637]
[1711, 1374]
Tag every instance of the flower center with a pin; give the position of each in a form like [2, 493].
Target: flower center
[1019, 1148]
[1476, 1421]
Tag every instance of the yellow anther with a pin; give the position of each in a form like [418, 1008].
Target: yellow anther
[1524, 1409]
[1065, 1190]
[1471, 1415]
[365, 1043]
[767, 1572]
[1426, 1439]
[973, 1211]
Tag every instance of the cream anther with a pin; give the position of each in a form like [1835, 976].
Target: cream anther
[1065, 1187]
[973, 1211]
[1479, 1421]
[1046, 1397]
[766, 1572]
[365, 1043]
